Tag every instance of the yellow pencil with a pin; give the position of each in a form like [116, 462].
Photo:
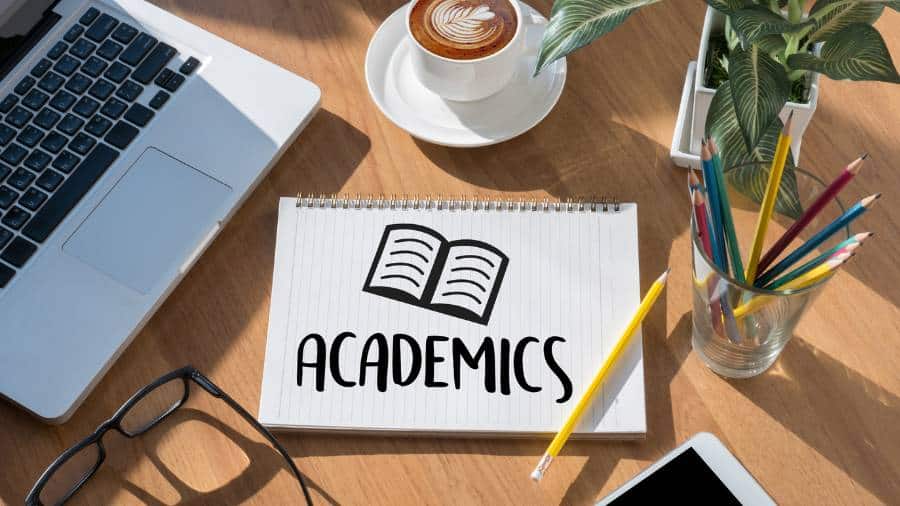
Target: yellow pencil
[560, 440]
[813, 276]
[768, 204]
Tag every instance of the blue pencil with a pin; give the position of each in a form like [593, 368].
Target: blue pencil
[715, 209]
[842, 221]
[848, 244]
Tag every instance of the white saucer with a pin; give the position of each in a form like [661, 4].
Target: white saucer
[513, 111]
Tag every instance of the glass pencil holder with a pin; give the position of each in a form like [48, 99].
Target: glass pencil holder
[739, 330]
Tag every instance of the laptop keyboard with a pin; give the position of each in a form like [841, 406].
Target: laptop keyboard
[65, 123]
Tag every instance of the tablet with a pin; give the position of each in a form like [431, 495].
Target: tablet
[700, 471]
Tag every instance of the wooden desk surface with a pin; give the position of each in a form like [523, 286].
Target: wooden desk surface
[821, 427]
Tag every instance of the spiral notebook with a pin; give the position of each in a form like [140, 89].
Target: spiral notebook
[451, 317]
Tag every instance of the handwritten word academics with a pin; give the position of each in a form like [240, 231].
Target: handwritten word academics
[403, 360]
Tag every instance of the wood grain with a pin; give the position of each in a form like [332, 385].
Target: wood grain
[821, 427]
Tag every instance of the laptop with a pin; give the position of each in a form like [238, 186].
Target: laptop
[128, 137]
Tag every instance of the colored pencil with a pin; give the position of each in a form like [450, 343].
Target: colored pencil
[842, 221]
[851, 170]
[734, 249]
[694, 181]
[584, 403]
[811, 277]
[701, 221]
[715, 208]
[768, 204]
[848, 245]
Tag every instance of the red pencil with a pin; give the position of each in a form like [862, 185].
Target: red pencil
[701, 222]
[814, 209]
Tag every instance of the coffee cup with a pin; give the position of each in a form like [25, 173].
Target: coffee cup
[469, 56]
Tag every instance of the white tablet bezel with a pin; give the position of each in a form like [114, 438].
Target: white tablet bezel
[736, 478]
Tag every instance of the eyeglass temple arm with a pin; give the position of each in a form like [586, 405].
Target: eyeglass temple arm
[215, 391]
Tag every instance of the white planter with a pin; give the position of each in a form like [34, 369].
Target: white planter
[695, 105]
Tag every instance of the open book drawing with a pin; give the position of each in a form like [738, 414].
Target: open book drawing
[418, 266]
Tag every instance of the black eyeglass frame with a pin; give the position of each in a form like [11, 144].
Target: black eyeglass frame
[187, 374]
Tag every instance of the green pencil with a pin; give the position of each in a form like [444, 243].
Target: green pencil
[734, 249]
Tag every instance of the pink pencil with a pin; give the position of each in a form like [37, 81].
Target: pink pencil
[702, 223]
[814, 209]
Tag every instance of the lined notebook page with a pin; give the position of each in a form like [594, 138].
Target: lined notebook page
[573, 275]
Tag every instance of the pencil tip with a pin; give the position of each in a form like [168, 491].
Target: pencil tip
[864, 156]
[787, 124]
[664, 276]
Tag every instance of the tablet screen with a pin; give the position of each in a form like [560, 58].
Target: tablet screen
[684, 478]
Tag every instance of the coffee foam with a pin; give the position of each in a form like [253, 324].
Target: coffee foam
[462, 25]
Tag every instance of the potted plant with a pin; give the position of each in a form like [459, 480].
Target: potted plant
[767, 54]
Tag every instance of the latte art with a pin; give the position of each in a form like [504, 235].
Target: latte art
[462, 24]
[463, 29]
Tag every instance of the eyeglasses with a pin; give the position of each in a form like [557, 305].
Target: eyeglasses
[143, 411]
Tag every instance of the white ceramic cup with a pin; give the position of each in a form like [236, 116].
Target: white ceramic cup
[467, 80]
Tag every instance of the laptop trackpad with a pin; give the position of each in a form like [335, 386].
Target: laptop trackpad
[148, 224]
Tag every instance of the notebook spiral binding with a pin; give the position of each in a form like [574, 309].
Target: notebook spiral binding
[471, 202]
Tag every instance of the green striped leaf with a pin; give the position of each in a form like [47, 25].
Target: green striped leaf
[756, 21]
[857, 52]
[832, 16]
[772, 44]
[722, 124]
[759, 88]
[729, 6]
[577, 23]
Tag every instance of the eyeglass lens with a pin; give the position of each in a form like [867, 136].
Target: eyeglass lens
[159, 402]
[70, 474]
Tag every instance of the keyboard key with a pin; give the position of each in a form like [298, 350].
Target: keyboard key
[6, 134]
[117, 72]
[155, 61]
[63, 101]
[110, 50]
[70, 124]
[82, 143]
[20, 179]
[51, 82]
[35, 99]
[19, 116]
[86, 107]
[49, 180]
[66, 65]
[82, 48]
[114, 108]
[5, 236]
[70, 193]
[24, 85]
[129, 91]
[138, 48]
[47, 118]
[13, 154]
[8, 103]
[139, 115]
[73, 33]
[4, 171]
[54, 142]
[65, 162]
[30, 136]
[7, 197]
[6, 275]
[102, 89]
[189, 66]
[101, 28]
[14, 219]
[19, 251]
[124, 33]
[57, 50]
[89, 16]
[94, 66]
[159, 99]
[98, 125]
[78, 83]
[164, 76]
[174, 82]
[41, 68]
[121, 135]
[38, 160]
[32, 199]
